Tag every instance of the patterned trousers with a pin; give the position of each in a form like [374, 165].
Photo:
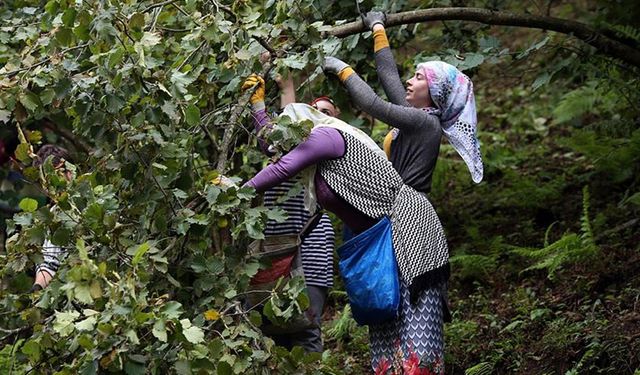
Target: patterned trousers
[415, 335]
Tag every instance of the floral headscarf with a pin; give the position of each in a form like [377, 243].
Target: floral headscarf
[452, 93]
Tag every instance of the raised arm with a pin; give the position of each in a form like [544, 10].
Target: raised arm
[323, 144]
[258, 109]
[385, 63]
[404, 118]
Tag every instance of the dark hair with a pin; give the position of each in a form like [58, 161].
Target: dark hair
[321, 98]
[56, 152]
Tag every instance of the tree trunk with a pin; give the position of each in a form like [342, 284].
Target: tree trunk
[586, 33]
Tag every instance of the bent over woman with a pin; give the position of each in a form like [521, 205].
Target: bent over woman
[348, 174]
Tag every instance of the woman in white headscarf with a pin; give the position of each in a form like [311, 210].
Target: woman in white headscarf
[438, 101]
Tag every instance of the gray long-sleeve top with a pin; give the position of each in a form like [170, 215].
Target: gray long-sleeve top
[415, 147]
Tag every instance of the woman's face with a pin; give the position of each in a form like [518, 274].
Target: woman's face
[326, 107]
[418, 91]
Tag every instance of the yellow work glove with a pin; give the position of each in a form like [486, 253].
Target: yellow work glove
[257, 99]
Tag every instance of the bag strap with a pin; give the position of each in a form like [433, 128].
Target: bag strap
[310, 225]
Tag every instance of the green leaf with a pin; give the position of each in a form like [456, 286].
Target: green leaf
[256, 318]
[541, 80]
[30, 101]
[193, 334]
[82, 32]
[47, 95]
[150, 39]
[134, 368]
[159, 330]
[634, 199]
[182, 80]
[61, 236]
[136, 21]
[28, 205]
[32, 349]
[69, 17]
[5, 116]
[277, 214]
[22, 152]
[224, 369]
[172, 310]
[52, 7]
[192, 115]
[295, 62]
[64, 35]
[83, 293]
[116, 57]
[82, 250]
[132, 336]
[63, 323]
[86, 324]
[140, 251]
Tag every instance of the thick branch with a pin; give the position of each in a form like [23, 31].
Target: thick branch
[580, 30]
[227, 137]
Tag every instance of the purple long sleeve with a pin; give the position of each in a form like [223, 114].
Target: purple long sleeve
[260, 120]
[322, 144]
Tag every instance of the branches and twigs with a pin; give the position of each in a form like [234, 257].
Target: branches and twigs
[266, 46]
[42, 62]
[10, 332]
[188, 58]
[68, 135]
[237, 111]
[155, 180]
[584, 32]
[158, 5]
[225, 9]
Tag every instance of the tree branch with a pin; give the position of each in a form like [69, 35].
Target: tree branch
[67, 134]
[580, 30]
[151, 7]
[227, 137]
[42, 62]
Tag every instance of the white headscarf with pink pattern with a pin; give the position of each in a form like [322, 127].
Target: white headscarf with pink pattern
[452, 92]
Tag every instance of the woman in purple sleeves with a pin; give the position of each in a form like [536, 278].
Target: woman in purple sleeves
[345, 172]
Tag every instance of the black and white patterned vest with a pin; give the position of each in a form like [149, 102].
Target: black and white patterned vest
[369, 183]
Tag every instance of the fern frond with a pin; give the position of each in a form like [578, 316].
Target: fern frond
[586, 231]
[626, 31]
[474, 266]
[576, 103]
[570, 248]
[482, 368]
[343, 326]
[546, 233]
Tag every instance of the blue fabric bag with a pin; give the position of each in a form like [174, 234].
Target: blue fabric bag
[368, 267]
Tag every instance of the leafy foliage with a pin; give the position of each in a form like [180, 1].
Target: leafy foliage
[156, 265]
[570, 248]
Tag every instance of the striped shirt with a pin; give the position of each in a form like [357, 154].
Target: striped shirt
[52, 255]
[317, 248]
